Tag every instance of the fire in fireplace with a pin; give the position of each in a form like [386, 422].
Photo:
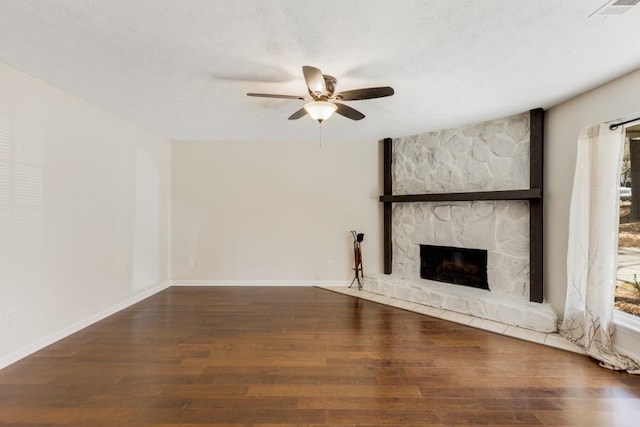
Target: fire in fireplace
[459, 266]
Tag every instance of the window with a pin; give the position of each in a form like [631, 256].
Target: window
[627, 295]
[21, 190]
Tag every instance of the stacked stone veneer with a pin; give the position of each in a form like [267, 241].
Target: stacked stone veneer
[489, 156]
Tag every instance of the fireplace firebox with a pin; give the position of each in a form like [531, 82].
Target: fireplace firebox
[459, 266]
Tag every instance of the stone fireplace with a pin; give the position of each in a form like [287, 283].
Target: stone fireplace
[488, 159]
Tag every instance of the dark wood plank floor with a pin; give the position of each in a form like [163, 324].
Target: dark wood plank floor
[303, 356]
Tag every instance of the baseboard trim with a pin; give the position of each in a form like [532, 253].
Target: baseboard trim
[65, 332]
[258, 283]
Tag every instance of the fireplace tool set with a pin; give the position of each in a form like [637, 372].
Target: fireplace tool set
[357, 259]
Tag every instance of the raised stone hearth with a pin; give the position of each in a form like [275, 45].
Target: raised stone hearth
[490, 156]
[475, 302]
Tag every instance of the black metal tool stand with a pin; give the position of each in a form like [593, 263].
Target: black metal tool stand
[357, 259]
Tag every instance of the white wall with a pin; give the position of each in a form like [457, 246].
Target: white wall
[84, 205]
[618, 98]
[277, 213]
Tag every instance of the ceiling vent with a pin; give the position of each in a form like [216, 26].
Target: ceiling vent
[615, 7]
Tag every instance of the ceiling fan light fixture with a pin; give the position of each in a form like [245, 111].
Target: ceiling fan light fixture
[320, 110]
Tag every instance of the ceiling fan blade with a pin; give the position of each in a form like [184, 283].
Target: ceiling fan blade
[349, 112]
[300, 113]
[368, 93]
[314, 79]
[270, 95]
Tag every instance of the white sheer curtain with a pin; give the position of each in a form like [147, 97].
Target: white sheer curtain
[593, 246]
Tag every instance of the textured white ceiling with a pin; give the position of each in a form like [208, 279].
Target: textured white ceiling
[181, 68]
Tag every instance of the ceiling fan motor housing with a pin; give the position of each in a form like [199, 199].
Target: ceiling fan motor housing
[329, 89]
[330, 84]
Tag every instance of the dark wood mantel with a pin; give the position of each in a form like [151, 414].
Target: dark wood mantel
[529, 194]
[534, 195]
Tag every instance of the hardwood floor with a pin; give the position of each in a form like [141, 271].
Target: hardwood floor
[303, 356]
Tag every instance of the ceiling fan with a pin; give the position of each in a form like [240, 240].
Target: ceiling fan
[322, 103]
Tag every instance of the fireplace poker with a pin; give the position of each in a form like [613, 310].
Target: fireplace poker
[357, 259]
